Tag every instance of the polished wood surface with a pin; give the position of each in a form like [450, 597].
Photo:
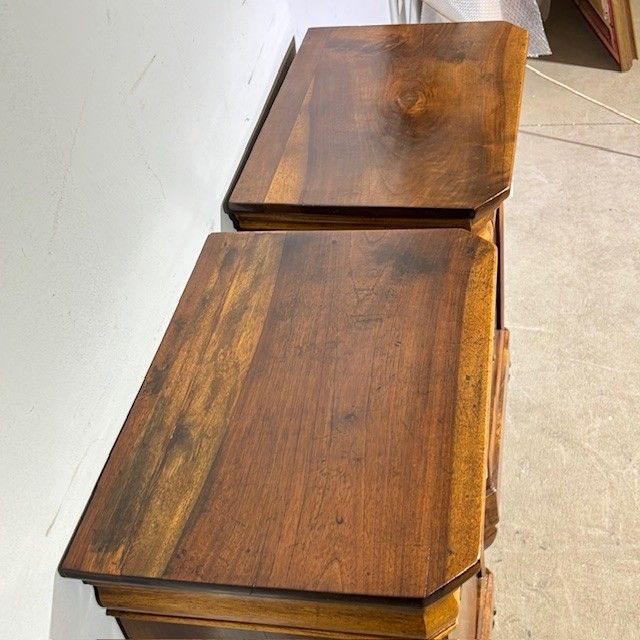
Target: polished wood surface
[471, 608]
[488, 225]
[315, 420]
[390, 121]
[144, 610]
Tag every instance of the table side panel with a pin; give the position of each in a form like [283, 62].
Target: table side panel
[293, 613]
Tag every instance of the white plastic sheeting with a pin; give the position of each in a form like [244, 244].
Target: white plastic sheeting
[525, 13]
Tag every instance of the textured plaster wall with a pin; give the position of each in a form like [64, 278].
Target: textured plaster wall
[121, 124]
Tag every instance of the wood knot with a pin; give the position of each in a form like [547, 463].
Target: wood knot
[412, 101]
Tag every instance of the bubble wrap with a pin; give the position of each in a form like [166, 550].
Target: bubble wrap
[525, 13]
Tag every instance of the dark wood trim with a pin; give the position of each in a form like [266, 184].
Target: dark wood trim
[499, 240]
[273, 92]
[248, 214]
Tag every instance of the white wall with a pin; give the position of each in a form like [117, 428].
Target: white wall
[121, 124]
[328, 13]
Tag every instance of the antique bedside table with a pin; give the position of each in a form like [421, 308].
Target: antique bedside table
[306, 457]
[389, 126]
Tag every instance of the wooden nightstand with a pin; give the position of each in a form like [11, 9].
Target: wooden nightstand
[307, 454]
[389, 127]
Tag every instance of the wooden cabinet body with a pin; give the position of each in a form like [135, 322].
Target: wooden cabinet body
[307, 455]
[142, 614]
[314, 452]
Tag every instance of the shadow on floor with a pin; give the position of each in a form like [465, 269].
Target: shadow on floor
[581, 144]
[572, 41]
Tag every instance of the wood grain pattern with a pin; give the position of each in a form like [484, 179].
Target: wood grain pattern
[315, 419]
[489, 226]
[141, 626]
[220, 613]
[395, 120]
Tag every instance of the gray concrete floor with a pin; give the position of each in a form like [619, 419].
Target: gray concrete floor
[567, 556]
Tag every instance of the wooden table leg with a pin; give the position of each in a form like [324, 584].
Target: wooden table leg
[475, 621]
[490, 227]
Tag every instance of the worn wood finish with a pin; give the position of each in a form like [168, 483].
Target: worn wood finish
[395, 121]
[142, 610]
[500, 379]
[474, 619]
[315, 422]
